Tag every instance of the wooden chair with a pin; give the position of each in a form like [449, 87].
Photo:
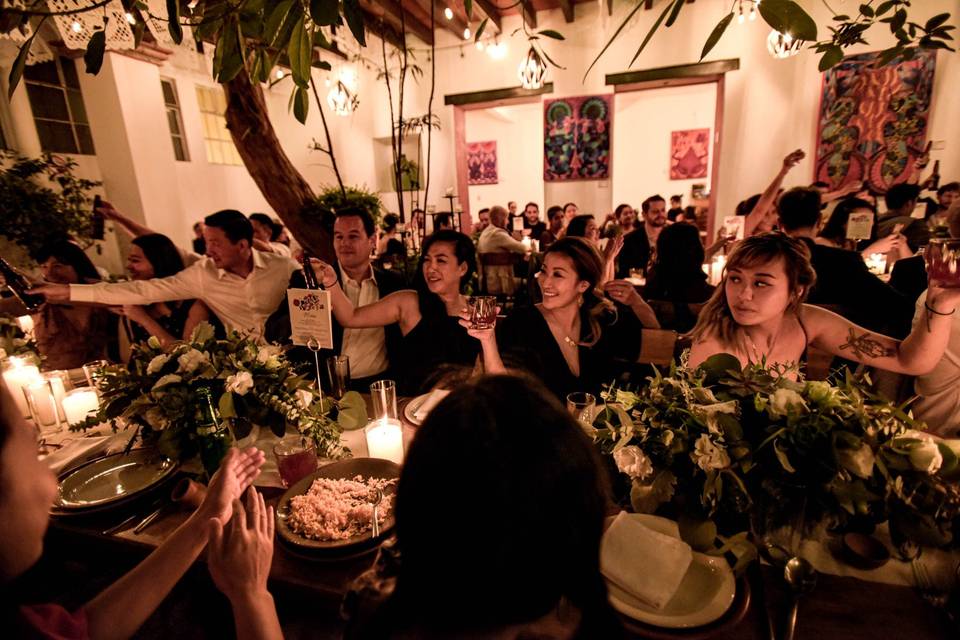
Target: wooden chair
[657, 346]
[497, 273]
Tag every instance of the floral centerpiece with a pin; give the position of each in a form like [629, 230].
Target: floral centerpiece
[725, 448]
[13, 340]
[250, 383]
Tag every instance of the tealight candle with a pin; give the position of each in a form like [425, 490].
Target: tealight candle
[17, 374]
[79, 404]
[385, 440]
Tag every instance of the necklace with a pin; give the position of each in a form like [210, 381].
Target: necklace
[555, 326]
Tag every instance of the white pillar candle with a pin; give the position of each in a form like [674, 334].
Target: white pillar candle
[58, 382]
[17, 374]
[44, 403]
[80, 403]
[385, 440]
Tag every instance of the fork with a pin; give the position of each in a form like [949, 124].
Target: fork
[375, 524]
[924, 585]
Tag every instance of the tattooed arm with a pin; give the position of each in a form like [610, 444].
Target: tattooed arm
[918, 354]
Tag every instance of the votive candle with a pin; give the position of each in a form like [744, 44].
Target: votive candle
[41, 395]
[17, 374]
[80, 403]
[385, 440]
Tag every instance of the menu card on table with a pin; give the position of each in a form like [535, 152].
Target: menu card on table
[310, 322]
[860, 225]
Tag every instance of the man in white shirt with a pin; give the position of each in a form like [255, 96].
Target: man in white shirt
[496, 238]
[240, 284]
[264, 230]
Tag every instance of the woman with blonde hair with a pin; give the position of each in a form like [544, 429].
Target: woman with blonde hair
[758, 315]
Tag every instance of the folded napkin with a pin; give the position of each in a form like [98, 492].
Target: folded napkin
[75, 452]
[429, 403]
[647, 564]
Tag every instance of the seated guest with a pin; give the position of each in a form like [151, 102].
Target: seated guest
[758, 315]
[937, 211]
[689, 215]
[264, 230]
[677, 277]
[901, 200]
[442, 221]
[68, 336]
[570, 341]
[240, 284]
[570, 211]
[239, 566]
[626, 218]
[531, 220]
[555, 228]
[529, 464]
[843, 279]
[433, 343]
[417, 226]
[938, 392]
[155, 256]
[496, 239]
[834, 232]
[372, 350]
[585, 226]
[390, 222]
[676, 208]
[483, 221]
[199, 247]
[639, 247]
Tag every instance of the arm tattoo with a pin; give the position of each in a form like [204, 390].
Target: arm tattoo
[865, 346]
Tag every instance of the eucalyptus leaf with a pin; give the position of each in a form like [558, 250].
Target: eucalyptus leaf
[301, 104]
[226, 407]
[480, 29]
[677, 6]
[787, 16]
[715, 35]
[550, 33]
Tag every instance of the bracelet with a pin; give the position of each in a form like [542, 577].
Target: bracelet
[939, 313]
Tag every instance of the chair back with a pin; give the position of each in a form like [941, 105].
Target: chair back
[497, 272]
[657, 346]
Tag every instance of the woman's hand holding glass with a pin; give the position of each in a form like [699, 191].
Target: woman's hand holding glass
[487, 334]
[623, 292]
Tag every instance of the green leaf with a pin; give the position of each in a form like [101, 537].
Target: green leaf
[936, 21]
[301, 104]
[677, 6]
[716, 34]
[699, 534]
[324, 12]
[468, 8]
[550, 33]
[300, 52]
[832, 56]
[322, 64]
[884, 7]
[787, 16]
[277, 17]
[96, 47]
[353, 411]
[16, 71]
[653, 29]
[899, 19]
[354, 16]
[637, 7]
[173, 21]
[228, 56]
[483, 25]
[866, 10]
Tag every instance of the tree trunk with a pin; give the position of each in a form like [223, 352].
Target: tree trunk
[279, 181]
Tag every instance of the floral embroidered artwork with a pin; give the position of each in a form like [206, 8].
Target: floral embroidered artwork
[482, 162]
[689, 154]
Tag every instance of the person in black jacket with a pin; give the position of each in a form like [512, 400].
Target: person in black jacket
[843, 280]
[640, 244]
[371, 351]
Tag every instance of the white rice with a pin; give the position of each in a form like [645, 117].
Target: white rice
[338, 509]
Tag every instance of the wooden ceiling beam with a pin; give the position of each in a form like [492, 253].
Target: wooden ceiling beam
[422, 30]
[456, 25]
[381, 23]
[567, 7]
[492, 12]
[529, 13]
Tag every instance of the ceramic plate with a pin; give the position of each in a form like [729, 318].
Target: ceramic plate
[411, 408]
[111, 479]
[704, 595]
[345, 469]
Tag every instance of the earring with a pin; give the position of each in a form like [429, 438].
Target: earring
[580, 300]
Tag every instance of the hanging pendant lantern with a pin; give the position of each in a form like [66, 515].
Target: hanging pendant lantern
[532, 70]
[342, 100]
[783, 45]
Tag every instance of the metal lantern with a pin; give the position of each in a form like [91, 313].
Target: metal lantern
[783, 45]
[532, 70]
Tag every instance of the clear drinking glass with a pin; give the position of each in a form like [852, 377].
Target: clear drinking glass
[338, 369]
[943, 261]
[92, 371]
[580, 405]
[296, 459]
[384, 396]
[483, 312]
[43, 406]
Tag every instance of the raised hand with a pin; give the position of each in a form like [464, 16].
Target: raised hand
[52, 292]
[326, 273]
[240, 553]
[483, 335]
[237, 471]
[793, 158]
[623, 292]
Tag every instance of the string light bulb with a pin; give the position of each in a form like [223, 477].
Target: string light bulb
[479, 45]
[532, 70]
[466, 33]
[278, 74]
[448, 13]
[130, 18]
[76, 26]
[497, 50]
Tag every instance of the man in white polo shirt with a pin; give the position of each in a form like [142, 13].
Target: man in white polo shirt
[240, 284]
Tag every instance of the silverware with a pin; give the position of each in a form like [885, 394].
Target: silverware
[802, 577]
[148, 520]
[375, 524]
[119, 527]
[925, 586]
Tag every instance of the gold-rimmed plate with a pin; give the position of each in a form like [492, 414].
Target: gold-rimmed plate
[112, 479]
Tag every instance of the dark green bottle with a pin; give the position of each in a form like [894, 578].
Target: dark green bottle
[213, 438]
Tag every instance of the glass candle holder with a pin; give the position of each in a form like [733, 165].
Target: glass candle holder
[17, 373]
[385, 440]
[43, 406]
[79, 404]
[384, 396]
[338, 369]
[580, 405]
[92, 371]
[60, 383]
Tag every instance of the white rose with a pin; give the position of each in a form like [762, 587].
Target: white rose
[783, 401]
[240, 383]
[633, 462]
[926, 456]
[157, 363]
[192, 359]
[708, 455]
[859, 462]
[170, 378]
[155, 418]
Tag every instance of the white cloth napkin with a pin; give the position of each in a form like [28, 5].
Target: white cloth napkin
[429, 403]
[643, 562]
[76, 451]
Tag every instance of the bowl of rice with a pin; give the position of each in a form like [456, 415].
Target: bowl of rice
[331, 510]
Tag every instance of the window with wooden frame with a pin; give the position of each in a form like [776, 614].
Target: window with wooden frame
[174, 120]
[57, 104]
[220, 147]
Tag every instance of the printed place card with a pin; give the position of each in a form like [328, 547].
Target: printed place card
[310, 321]
[860, 225]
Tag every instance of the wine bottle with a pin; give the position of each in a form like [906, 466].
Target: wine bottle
[309, 275]
[933, 182]
[213, 438]
[19, 285]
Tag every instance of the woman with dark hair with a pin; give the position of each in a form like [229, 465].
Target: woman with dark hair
[758, 315]
[676, 276]
[68, 336]
[834, 232]
[155, 256]
[572, 339]
[530, 499]
[585, 226]
[433, 341]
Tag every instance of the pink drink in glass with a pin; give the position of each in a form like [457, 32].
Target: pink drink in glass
[295, 460]
[943, 261]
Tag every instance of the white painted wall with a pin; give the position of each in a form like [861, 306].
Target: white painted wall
[518, 130]
[641, 152]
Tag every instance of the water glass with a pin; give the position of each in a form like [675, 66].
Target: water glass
[338, 370]
[384, 396]
[43, 406]
[580, 405]
[92, 371]
[483, 312]
[296, 459]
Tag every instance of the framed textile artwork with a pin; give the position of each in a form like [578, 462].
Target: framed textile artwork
[577, 136]
[482, 162]
[689, 154]
[873, 120]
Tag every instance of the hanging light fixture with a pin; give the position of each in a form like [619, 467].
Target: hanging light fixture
[749, 12]
[532, 70]
[497, 50]
[342, 100]
[783, 45]
[466, 33]
[448, 13]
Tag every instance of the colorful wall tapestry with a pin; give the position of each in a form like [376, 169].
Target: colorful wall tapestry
[482, 162]
[873, 121]
[689, 153]
[577, 136]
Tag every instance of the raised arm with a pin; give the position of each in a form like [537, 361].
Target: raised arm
[181, 286]
[402, 307]
[769, 196]
[490, 351]
[918, 354]
[132, 227]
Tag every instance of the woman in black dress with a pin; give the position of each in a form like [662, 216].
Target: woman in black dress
[676, 277]
[434, 344]
[575, 340]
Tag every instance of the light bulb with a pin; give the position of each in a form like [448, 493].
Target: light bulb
[783, 45]
[466, 33]
[753, 13]
[278, 74]
[448, 13]
[341, 100]
[76, 26]
[130, 18]
[740, 18]
[479, 46]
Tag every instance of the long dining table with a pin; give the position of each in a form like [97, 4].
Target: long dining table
[845, 607]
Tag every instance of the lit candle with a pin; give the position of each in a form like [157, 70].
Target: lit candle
[26, 324]
[385, 440]
[17, 374]
[79, 404]
[527, 243]
[44, 404]
[58, 382]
